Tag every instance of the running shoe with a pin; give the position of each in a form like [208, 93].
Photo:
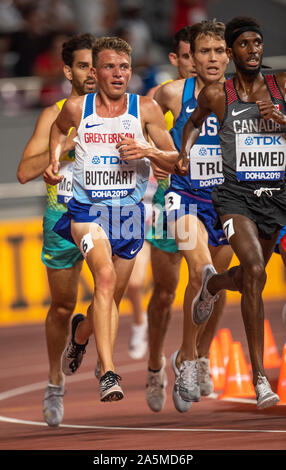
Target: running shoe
[138, 341]
[203, 303]
[204, 376]
[110, 389]
[53, 408]
[189, 388]
[264, 395]
[73, 353]
[181, 405]
[156, 388]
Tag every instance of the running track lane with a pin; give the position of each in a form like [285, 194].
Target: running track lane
[129, 424]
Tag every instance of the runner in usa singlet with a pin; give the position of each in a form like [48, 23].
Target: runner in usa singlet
[205, 169]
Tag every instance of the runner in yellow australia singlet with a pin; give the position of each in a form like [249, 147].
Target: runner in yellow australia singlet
[58, 253]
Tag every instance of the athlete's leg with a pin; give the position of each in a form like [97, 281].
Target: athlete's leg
[63, 287]
[249, 278]
[99, 260]
[221, 258]
[194, 246]
[123, 268]
[165, 271]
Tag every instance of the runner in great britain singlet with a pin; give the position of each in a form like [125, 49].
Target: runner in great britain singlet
[99, 173]
[106, 189]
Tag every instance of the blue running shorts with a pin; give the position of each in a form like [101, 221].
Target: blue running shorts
[123, 225]
[203, 209]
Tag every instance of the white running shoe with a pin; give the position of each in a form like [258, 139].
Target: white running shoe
[181, 405]
[189, 388]
[204, 376]
[203, 303]
[156, 388]
[53, 408]
[138, 342]
[264, 395]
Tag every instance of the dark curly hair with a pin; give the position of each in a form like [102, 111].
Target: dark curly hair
[75, 43]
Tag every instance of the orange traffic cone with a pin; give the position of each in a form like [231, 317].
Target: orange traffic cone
[271, 357]
[216, 365]
[225, 339]
[281, 388]
[238, 382]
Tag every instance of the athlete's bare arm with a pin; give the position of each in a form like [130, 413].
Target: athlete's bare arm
[163, 154]
[35, 158]
[267, 109]
[210, 100]
[169, 97]
[70, 116]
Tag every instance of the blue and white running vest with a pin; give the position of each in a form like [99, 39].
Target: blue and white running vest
[99, 175]
[205, 169]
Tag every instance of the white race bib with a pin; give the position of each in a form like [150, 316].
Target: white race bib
[64, 188]
[260, 156]
[172, 202]
[206, 166]
[108, 176]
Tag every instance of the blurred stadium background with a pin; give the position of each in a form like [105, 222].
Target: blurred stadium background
[31, 34]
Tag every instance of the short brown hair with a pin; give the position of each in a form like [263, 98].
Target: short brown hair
[113, 43]
[206, 28]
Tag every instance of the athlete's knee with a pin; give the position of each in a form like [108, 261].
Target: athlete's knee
[163, 296]
[255, 275]
[105, 278]
[61, 311]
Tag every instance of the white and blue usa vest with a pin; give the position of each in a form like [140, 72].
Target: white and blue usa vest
[99, 175]
[205, 169]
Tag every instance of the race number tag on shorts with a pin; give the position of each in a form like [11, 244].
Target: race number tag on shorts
[109, 177]
[260, 157]
[228, 228]
[172, 202]
[206, 166]
[64, 188]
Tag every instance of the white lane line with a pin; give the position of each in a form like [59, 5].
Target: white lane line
[128, 428]
[128, 368]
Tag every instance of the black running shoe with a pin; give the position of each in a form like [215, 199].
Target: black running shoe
[73, 353]
[110, 389]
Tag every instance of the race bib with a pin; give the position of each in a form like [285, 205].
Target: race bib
[109, 177]
[64, 188]
[260, 156]
[172, 202]
[206, 166]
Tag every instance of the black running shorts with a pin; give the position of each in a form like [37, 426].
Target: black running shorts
[262, 202]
